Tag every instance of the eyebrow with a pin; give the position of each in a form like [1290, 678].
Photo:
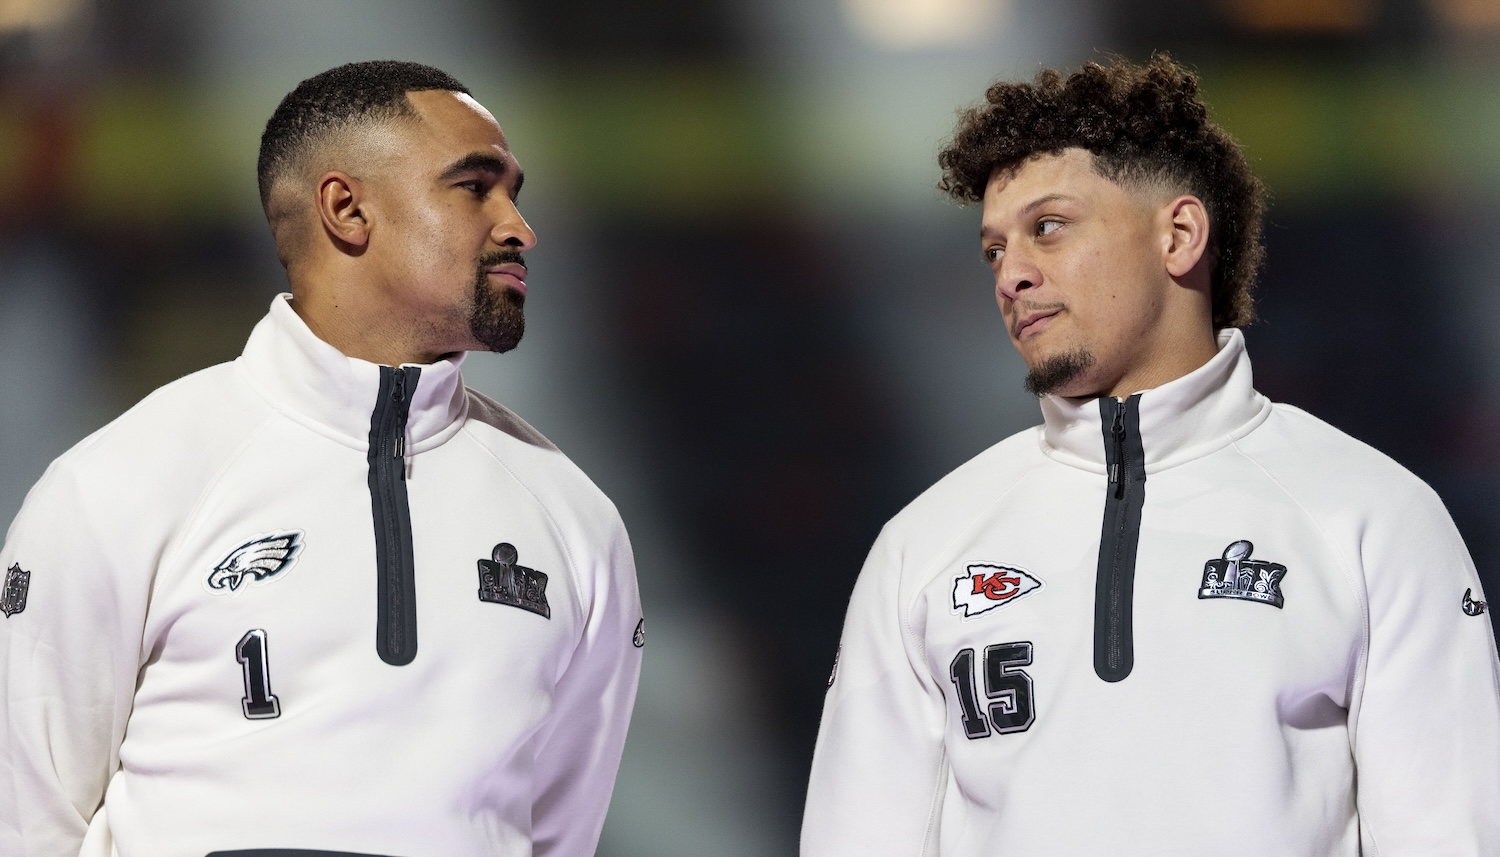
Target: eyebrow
[985, 231]
[486, 163]
[1041, 201]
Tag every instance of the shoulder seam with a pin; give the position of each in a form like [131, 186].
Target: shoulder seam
[927, 572]
[931, 835]
[169, 551]
[567, 549]
[1360, 589]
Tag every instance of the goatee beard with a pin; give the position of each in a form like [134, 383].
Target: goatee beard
[1056, 372]
[496, 317]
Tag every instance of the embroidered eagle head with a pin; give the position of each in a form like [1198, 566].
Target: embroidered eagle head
[261, 558]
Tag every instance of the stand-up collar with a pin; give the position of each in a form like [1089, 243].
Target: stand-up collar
[1188, 418]
[317, 385]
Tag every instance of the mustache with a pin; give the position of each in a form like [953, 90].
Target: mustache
[1022, 310]
[501, 257]
[1029, 307]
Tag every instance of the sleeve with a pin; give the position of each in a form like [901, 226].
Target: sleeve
[580, 754]
[879, 770]
[1426, 730]
[70, 638]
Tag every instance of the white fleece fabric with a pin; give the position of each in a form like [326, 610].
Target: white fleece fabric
[1359, 717]
[125, 701]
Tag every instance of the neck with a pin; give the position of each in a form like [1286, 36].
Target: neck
[1176, 339]
[347, 322]
[1161, 365]
[1162, 353]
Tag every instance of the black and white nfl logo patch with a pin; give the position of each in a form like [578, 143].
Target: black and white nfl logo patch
[502, 580]
[17, 583]
[265, 557]
[1237, 576]
[985, 586]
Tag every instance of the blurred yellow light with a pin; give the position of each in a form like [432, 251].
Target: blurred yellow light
[21, 15]
[1468, 14]
[1303, 15]
[915, 24]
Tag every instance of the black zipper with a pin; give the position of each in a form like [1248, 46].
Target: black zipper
[396, 592]
[1114, 640]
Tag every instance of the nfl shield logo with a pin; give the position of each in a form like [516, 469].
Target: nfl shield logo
[16, 584]
[986, 585]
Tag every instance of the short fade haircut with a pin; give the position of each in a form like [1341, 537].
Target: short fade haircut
[1143, 125]
[329, 103]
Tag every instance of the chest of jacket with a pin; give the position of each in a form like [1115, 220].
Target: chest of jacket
[1235, 595]
[266, 611]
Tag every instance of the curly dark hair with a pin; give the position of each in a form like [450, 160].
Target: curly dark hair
[328, 103]
[1142, 124]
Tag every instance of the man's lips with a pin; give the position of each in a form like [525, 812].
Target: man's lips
[512, 272]
[1030, 320]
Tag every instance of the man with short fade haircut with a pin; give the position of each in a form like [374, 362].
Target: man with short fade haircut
[1175, 618]
[325, 600]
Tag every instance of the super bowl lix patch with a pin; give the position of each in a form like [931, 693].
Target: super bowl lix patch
[503, 580]
[1235, 575]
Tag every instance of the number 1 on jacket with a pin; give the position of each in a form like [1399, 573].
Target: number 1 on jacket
[259, 702]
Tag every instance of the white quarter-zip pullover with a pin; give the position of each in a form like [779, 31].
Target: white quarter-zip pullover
[302, 601]
[1190, 623]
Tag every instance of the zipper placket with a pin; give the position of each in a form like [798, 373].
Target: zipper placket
[1114, 643]
[396, 593]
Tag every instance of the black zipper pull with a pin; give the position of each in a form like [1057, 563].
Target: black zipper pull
[398, 395]
[1117, 431]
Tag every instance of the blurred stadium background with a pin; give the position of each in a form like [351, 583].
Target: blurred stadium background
[754, 321]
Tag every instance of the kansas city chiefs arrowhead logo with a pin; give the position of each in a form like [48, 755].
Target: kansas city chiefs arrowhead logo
[986, 585]
[257, 561]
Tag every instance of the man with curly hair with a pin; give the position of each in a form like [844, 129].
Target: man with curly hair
[1175, 618]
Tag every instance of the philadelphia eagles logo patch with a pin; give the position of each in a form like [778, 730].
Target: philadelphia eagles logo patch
[1237, 576]
[260, 560]
[986, 585]
[503, 580]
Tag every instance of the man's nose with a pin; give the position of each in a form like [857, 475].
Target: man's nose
[1017, 273]
[511, 229]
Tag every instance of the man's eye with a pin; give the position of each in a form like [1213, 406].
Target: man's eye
[475, 186]
[994, 254]
[1047, 227]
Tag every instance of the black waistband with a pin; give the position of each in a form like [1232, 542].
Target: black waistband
[289, 852]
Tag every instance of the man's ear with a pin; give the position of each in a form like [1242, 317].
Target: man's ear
[342, 208]
[1186, 234]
